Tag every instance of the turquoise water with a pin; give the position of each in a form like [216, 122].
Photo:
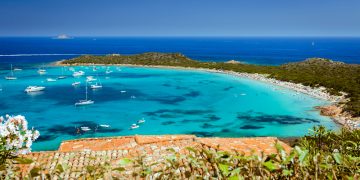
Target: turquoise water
[171, 101]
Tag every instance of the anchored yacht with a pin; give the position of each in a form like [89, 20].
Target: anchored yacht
[50, 80]
[141, 121]
[134, 126]
[86, 101]
[34, 89]
[75, 83]
[78, 73]
[11, 77]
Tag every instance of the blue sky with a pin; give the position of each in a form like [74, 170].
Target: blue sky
[180, 17]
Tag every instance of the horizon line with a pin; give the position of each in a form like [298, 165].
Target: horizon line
[181, 36]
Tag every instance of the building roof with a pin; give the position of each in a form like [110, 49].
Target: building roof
[80, 153]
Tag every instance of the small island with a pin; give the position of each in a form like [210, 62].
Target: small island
[62, 36]
[322, 78]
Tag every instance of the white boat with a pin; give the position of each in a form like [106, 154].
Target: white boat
[62, 74]
[104, 125]
[78, 73]
[108, 71]
[123, 91]
[50, 80]
[11, 77]
[86, 101]
[75, 83]
[141, 121]
[34, 89]
[41, 71]
[17, 69]
[96, 86]
[85, 128]
[134, 126]
[90, 78]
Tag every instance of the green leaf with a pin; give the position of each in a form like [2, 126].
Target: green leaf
[286, 172]
[298, 149]
[338, 158]
[34, 172]
[22, 160]
[171, 150]
[234, 177]
[224, 169]
[279, 147]
[120, 169]
[60, 168]
[235, 172]
[191, 149]
[303, 155]
[125, 161]
[270, 165]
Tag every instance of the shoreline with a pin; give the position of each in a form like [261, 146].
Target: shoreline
[340, 118]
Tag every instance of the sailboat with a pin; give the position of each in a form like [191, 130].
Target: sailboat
[108, 71]
[34, 89]
[75, 83]
[41, 71]
[12, 77]
[62, 74]
[141, 121]
[90, 78]
[86, 101]
[96, 85]
[78, 73]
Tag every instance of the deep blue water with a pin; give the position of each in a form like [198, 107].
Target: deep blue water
[273, 51]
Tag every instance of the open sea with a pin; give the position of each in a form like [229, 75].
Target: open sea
[171, 101]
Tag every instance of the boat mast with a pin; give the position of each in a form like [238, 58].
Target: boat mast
[86, 90]
[11, 69]
[98, 79]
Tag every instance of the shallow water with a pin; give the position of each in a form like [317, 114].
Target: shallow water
[171, 101]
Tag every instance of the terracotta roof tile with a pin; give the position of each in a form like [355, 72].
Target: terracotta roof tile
[94, 151]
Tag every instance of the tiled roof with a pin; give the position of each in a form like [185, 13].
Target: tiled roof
[82, 152]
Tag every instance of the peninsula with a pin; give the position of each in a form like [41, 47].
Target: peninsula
[322, 78]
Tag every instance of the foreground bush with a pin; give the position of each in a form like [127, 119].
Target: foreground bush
[322, 154]
[15, 137]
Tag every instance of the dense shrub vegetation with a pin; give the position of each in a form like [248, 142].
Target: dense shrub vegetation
[335, 76]
[322, 154]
